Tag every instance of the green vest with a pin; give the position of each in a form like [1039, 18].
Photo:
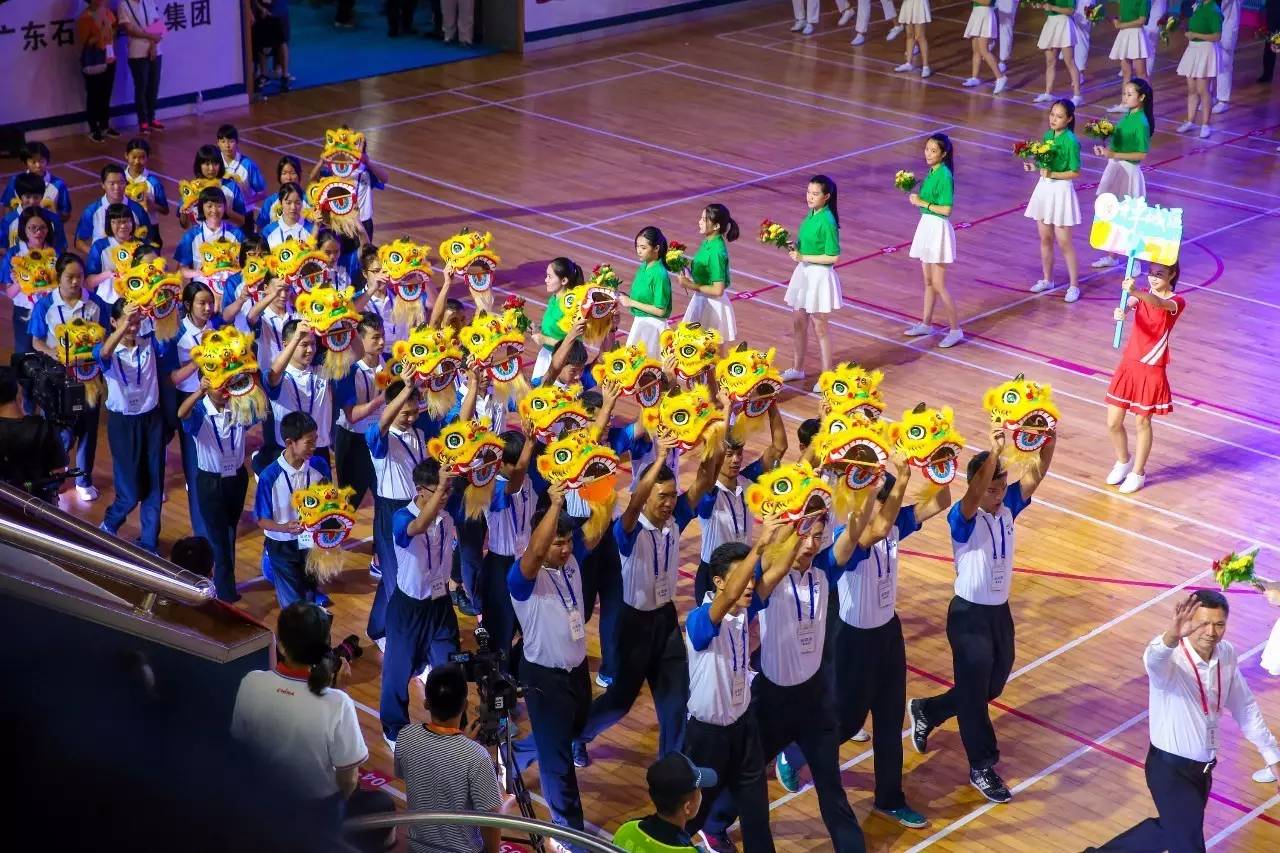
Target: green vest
[634, 839]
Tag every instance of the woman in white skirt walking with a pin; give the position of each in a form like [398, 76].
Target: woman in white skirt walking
[1126, 149]
[707, 279]
[814, 290]
[1058, 36]
[562, 274]
[935, 240]
[980, 30]
[1132, 47]
[913, 15]
[1054, 205]
[650, 296]
[1199, 63]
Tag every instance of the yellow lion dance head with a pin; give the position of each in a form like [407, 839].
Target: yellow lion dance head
[553, 411]
[1026, 408]
[332, 317]
[431, 359]
[35, 272]
[302, 265]
[76, 340]
[496, 342]
[469, 449]
[257, 267]
[852, 388]
[636, 373]
[408, 276]
[695, 349]
[690, 417]
[793, 493]
[122, 255]
[594, 302]
[139, 191]
[335, 198]
[228, 359]
[929, 441]
[189, 192]
[586, 465]
[343, 151]
[327, 514]
[751, 382]
[468, 252]
[156, 292]
[219, 261]
[856, 450]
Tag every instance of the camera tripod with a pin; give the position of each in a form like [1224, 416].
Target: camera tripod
[509, 774]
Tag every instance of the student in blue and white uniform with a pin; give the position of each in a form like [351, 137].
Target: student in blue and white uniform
[136, 154]
[93, 221]
[221, 481]
[236, 299]
[291, 225]
[129, 367]
[979, 622]
[294, 384]
[359, 400]
[288, 171]
[569, 362]
[422, 629]
[198, 318]
[100, 263]
[367, 180]
[238, 167]
[295, 468]
[377, 296]
[36, 156]
[36, 227]
[396, 447]
[267, 318]
[546, 592]
[208, 164]
[31, 194]
[211, 227]
[723, 733]
[508, 520]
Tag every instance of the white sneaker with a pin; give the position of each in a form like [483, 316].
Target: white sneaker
[1041, 286]
[926, 72]
[797, 26]
[1205, 131]
[88, 494]
[906, 66]
[1118, 108]
[1220, 108]
[1118, 472]
[1185, 126]
[847, 15]
[1104, 262]
[1132, 483]
[952, 338]
[391, 745]
[381, 643]
[807, 31]
[861, 736]
[1264, 775]
[894, 32]
[791, 374]
[1043, 97]
[971, 82]
[858, 39]
[1072, 295]
[916, 331]
[1001, 83]
[422, 676]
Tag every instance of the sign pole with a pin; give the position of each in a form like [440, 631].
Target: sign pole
[1124, 298]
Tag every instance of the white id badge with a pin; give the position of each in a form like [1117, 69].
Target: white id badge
[306, 540]
[228, 467]
[999, 579]
[1211, 735]
[438, 588]
[576, 630]
[111, 52]
[739, 689]
[807, 636]
[662, 588]
[133, 401]
[884, 591]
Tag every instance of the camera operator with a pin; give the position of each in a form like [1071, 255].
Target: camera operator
[296, 723]
[444, 770]
[30, 448]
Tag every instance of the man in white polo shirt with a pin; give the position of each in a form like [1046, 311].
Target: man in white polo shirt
[979, 622]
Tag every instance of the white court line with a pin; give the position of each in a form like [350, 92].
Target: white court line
[1241, 821]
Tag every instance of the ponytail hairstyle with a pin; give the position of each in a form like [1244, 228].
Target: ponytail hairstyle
[718, 215]
[568, 270]
[1148, 98]
[829, 187]
[1069, 107]
[302, 632]
[654, 237]
[1175, 273]
[948, 150]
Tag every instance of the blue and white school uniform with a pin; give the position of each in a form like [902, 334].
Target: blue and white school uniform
[100, 259]
[395, 454]
[279, 231]
[269, 331]
[51, 311]
[270, 210]
[245, 172]
[21, 302]
[351, 452]
[391, 330]
[134, 434]
[9, 229]
[422, 629]
[219, 485]
[93, 220]
[55, 192]
[509, 521]
[723, 517]
[303, 389]
[155, 189]
[274, 500]
[189, 335]
[188, 251]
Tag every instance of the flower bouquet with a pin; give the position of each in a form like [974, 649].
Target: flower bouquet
[604, 276]
[676, 260]
[905, 181]
[1167, 25]
[1095, 13]
[516, 304]
[1037, 150]
[773, 234]
[1100, 128]
[1235, 568]
[1274, 40]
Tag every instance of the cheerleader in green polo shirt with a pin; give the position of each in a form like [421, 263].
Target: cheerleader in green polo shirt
[1054, 205]
[708, 285]
[935, 240]
[814, 289]
[1058, 36]
[650, 296]
[1199, 63]
[1126, 149]
[1132, 46]
[562, 274]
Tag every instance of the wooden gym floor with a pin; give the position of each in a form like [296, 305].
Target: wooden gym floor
[573, 150]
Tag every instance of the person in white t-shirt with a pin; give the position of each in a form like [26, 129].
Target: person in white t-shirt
[142, 23]
[295, 721]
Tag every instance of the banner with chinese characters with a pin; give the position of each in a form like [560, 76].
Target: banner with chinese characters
[1150, 232]
[202, 51]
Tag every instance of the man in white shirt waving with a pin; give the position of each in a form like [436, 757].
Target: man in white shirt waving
[1194, 675]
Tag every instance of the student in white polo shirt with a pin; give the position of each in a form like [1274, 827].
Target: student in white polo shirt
[422, 629]
[291, 225]
[294, 384]
[508, 520]
[129, 367]
[546, 592]
[358, 399]
[184, 376]
[396, 447]
[979, 622]
[221, 481]
[723, 733]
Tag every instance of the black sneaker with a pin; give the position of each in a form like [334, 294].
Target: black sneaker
[111, 132]
[920, 727]
[96, 136]
[989, 783]
[580, 757]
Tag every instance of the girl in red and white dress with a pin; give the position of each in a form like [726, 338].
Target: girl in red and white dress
[1140, 384]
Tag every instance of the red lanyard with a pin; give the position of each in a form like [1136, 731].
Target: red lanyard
[1204, 700]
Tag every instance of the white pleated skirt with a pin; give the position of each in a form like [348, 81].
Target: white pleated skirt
[1056, 33]
[814, 289]
[1122, 178]
[935, 240]
[542, 362]
[982, 23]
[647, 329]
[713, 313]
[1133, 43]
[1199, 60]
[1054, 202]
[915, 12]
[1271, 653]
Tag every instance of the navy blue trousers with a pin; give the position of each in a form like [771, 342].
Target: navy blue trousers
[289, 572]
[137, 461]
[558, 701]
[221, 501]
[602, 575]
[354, 464]
[494, 604]
[384, 510]
[420, 633]
[84, 434]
